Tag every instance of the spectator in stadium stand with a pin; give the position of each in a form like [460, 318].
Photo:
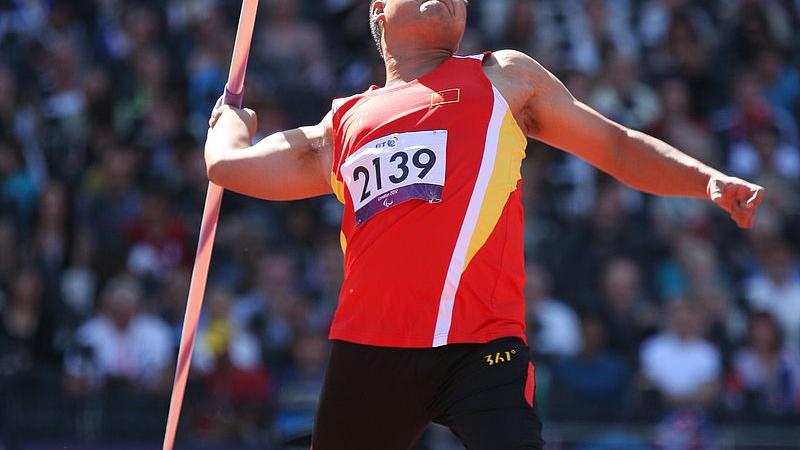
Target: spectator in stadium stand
[78, 282]
[18, 188]
[8, 83]
[157, 238]
[692, 265]
[170, 299]
[515, 24]
[775, 287]
[25, 335]
[238, 384]
[780, 78]
[594, 384]
[656, 17]
[680, 122]
[765, 380]
[294, 50]
[686, 52]
[768, 153]
[623, 96]
[681, 366]
[565, 34]
[629, 316]
[50, 235]
[748, 107]
[765, 152]
[109, 199]
[553, 326]
[267, 305]
[613, 227]
[694, 271]
[299, 386]
[220, 338]
[122, 343]
[9, 259]
[324, 270]
[756, 25]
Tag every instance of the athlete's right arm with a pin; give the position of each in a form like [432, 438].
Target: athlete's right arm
[550, 113]
[289, 165]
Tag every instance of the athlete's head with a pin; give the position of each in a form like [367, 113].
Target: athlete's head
[435, 24]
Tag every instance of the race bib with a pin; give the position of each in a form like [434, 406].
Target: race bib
[395, 169]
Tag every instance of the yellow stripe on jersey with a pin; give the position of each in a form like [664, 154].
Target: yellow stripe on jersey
[338, 188]
[511, 143]
[503, 136]
[343, 241]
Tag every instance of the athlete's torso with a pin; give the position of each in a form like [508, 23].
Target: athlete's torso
[432, 231]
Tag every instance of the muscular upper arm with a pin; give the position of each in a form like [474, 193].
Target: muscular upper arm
[289, 165]
[548, 112]
[310, 150]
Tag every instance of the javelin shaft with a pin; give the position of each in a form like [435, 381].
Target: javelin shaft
[208, 229]
[241, 52]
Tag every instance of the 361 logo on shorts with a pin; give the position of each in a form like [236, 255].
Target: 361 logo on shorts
[499, 357]
[395, 169]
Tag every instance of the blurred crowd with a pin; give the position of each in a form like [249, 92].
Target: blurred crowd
[639, 308]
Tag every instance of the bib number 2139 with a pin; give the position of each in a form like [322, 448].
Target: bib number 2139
[395, 169]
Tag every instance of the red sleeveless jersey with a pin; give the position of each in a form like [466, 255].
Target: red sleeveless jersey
[432, 232]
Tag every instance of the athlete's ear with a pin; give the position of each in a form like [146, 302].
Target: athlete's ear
[377, 12]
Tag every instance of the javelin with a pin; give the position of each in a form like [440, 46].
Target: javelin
[208, 229]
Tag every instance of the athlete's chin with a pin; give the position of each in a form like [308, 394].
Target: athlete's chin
[444, 27]
[442, 41]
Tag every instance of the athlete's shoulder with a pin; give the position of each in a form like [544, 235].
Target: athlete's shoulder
[513, 64]
[520, 79]
[339, 102]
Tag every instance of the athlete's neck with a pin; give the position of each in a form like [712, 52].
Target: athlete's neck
[404, 66]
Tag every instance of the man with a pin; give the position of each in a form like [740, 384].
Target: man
[679, 363]
[122, 342]
[430, 322]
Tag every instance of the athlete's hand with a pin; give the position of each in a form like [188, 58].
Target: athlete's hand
[736, 196]
[247, 116]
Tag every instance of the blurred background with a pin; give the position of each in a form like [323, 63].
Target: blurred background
[655, 322]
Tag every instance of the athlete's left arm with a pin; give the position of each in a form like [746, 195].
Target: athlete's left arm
[548, 112]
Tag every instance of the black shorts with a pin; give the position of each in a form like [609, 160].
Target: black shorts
[377, 398]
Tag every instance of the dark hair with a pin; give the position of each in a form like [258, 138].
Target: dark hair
[375, 29]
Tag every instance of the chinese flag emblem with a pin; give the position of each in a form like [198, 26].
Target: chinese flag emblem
[445, 97]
